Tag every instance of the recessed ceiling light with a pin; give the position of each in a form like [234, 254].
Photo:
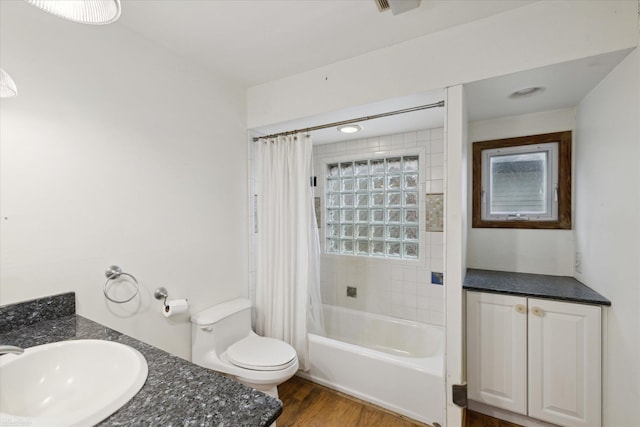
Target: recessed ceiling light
[350, 128]
[528, 91]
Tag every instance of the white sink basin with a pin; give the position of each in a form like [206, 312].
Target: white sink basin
[68, 383]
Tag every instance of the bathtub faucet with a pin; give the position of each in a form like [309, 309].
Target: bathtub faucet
[4, 349]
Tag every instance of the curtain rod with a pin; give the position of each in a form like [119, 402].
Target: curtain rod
[350, 121]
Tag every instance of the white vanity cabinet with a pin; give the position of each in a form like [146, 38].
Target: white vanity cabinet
[536, 357]
[497, 350]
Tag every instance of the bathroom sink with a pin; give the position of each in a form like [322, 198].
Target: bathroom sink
[68, 383]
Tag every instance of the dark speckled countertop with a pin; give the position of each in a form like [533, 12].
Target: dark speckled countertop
[176, 392]
[532, 285]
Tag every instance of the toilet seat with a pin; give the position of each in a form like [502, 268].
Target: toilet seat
[261, 354]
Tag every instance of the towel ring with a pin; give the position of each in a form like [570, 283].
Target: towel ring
[112, 273]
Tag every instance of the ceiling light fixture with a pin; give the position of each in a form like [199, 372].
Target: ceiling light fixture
[526, 92]
[95, 12]
[350, 128]
[8, 87]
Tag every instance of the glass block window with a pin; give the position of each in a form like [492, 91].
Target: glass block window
[372, 207]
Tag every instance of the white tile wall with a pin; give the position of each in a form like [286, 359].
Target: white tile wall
[390, 287]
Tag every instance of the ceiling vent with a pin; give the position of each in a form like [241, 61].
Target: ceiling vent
[397, 6]
[383, 5]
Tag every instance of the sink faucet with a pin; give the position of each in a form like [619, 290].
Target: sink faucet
[4, 349]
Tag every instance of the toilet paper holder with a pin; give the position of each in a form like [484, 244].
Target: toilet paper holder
[172, 307]
[161, 294]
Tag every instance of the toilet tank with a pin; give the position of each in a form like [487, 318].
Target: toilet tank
[220, 326]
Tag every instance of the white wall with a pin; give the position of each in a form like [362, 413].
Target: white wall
[540, 34]
[607, 227]
[117, 152]
[525, 251]
[399, 288]
[456, 135]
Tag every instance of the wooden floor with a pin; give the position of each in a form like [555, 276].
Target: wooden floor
[312, 405]
[475, 419]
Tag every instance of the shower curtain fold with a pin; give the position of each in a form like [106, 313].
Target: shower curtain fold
[287, 244]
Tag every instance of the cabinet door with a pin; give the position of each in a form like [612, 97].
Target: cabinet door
[497, 350]
[564, 363]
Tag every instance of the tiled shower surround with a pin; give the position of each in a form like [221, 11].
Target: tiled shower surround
[394, 287]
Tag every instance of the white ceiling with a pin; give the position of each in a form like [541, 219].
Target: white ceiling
[255, 41]
[565, 85]
[423, 119]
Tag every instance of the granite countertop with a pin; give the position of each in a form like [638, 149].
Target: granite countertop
[532, 285]
[176, 392]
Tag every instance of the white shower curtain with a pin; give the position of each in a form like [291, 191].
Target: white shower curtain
[288, 247]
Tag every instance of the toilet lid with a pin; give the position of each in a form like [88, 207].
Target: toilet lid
[261, 354]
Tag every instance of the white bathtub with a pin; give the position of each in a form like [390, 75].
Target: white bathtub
[393, 363]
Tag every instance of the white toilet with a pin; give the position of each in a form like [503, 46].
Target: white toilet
[222, 340]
